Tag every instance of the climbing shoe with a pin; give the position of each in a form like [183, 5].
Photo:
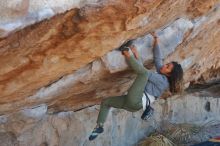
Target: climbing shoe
[96, 132]
[148, 112]
[125, 46]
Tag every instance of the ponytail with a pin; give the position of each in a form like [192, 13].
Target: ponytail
[176, 78]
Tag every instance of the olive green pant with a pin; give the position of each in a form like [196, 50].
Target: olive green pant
[133, 100]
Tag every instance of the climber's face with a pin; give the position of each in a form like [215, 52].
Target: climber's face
[166, 69]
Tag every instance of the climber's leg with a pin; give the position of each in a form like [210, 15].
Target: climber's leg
[135, 92]
[116, 102]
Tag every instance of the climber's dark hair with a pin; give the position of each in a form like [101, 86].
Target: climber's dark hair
[176, 78]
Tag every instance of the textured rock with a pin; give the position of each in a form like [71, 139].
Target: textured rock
[69, 62]
[16, 14]
[8, 139]
[122, 128]
[57, 62]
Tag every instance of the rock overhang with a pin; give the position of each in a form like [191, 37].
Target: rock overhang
[36, 61]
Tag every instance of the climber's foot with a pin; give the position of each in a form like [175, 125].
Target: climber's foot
[125, 46]
[148, 112]
[96, 132]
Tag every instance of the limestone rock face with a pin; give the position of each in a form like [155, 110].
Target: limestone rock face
[16, 14]
[121, 129]
[58, 57]
[67, 62]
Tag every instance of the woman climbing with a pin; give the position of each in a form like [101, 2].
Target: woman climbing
[147, 85]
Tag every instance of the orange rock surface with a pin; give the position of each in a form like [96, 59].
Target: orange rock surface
[40, 54]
